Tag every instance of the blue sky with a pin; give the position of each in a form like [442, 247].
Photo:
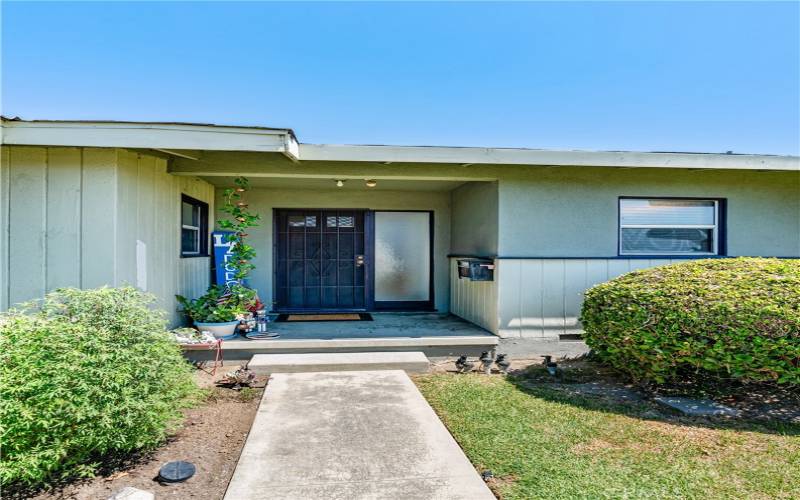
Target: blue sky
[639, 76]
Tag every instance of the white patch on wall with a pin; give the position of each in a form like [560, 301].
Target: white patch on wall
[141, 265]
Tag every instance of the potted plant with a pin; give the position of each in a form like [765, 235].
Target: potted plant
[221, 308]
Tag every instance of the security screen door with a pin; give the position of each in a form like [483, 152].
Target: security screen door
[320, 262]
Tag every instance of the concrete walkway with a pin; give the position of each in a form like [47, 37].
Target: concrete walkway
[350, 435]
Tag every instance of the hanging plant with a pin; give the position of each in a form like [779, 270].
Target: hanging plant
[240, 219]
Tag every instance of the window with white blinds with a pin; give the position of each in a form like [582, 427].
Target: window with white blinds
[654, 226]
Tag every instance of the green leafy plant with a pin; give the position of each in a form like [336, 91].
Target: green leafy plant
[220, 304]
[720, 318]
[226, 303]
[240, 219]
[86, 375]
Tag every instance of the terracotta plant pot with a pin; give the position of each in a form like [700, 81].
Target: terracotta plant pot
[218, 330]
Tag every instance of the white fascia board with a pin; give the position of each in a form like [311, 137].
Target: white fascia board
[149, 136]
[509, 156]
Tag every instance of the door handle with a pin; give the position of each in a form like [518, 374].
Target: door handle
[359, 260]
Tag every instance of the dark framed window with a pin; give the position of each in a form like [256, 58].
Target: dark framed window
[194, 227]
[671, 226]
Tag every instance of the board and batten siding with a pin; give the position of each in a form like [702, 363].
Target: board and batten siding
[474, 301]
[536, 298]
[88, 217]
[542, 298]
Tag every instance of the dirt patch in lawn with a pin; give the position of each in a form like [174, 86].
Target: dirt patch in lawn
[757, 402]
[498, 484]
[588, 378]
[211, 437]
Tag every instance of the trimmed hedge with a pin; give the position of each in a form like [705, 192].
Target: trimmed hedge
[723, 318]
[85, 375]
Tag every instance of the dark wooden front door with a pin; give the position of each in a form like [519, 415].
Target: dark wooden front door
[320, 262]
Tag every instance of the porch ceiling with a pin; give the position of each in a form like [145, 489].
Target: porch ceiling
[329, 183]
[273, 165]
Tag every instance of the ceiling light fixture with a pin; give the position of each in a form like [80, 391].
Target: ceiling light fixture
[339, 183]
[371, 183]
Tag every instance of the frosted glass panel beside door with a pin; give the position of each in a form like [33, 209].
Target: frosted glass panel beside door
[402, 256]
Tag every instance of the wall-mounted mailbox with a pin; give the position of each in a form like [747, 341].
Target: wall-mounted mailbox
[476, 269]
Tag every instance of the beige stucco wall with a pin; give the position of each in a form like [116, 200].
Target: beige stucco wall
[572, 212]
[73, 216]
[474, 221]
[263, 201]
[567, 211]
[474, 233]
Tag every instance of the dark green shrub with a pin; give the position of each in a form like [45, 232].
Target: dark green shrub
[85, 375]
[723, 318]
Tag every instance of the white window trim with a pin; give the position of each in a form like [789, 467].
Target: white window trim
[714, 227]
[197, 230]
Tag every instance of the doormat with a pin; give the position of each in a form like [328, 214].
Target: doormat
[325, 317]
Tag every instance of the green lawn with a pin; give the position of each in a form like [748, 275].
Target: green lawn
[540, 443]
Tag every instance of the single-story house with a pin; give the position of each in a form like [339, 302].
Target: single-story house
[374, 228]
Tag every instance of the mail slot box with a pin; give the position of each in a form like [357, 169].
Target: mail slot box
[476, 269]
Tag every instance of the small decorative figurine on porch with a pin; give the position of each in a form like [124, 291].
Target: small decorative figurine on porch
[464, 365]
[486, 362]
[503, 363]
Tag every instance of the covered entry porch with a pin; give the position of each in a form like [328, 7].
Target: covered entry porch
[355, 236]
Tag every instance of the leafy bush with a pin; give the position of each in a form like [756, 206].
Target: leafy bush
[722, 318]
[85, 375]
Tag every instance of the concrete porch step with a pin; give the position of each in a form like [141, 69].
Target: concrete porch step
[434, 346]
[413, 362]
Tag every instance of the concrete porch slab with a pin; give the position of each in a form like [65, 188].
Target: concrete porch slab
[350, 435]
[383, 325]
[412, 362]
[435, 335]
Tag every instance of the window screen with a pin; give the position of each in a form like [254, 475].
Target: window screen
[668, 226]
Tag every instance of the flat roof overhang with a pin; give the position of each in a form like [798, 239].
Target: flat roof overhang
[180, 139]
[165, 137]
[535, 157]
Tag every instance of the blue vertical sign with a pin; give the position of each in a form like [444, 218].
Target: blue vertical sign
[223, 253]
